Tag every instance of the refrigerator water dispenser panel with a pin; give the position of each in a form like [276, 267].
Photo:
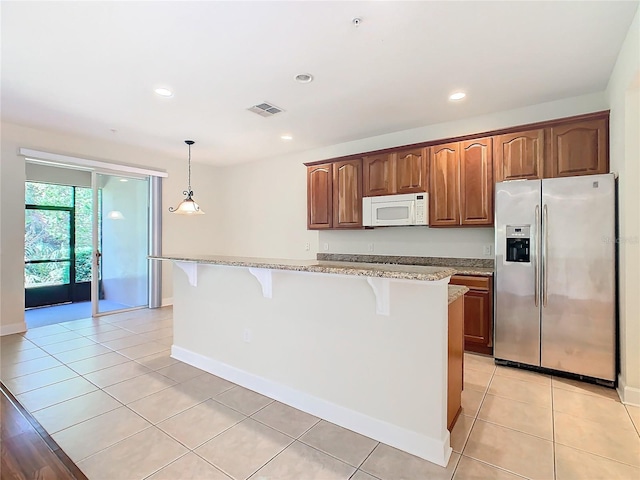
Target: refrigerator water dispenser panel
[518, 243]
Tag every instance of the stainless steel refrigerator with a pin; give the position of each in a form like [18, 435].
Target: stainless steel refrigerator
[555, 303]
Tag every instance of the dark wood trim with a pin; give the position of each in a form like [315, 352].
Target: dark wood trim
[473, 136]
[67, 463]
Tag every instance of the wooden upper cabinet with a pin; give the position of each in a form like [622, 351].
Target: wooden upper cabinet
[444, 178]
[401, 171]
[519, 155]
[579, 148]
[411, 170]
[320, 196]
[347, 194]
[378, 175]
[476, 182]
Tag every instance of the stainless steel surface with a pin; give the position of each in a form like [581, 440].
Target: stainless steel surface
[573, 260]
[545, 268]
[536, 263]
[517, 318]
[578, 317]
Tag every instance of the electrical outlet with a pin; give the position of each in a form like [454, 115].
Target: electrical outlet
[325, 247]
[486, 250]
[370, 247]
[246, 335]
[307, 246]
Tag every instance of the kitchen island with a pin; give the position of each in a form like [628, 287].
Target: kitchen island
[364, 346]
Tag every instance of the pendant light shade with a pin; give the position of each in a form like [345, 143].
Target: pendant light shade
[188, 206]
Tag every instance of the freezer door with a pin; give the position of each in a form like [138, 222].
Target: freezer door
[578, 288]
[517, 313]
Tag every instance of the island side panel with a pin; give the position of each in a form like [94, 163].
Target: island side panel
[319, 346]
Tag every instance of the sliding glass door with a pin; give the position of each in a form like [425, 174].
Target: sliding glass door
[120, 243]
[57, 244]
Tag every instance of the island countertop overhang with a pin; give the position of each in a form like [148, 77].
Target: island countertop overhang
[378, 270]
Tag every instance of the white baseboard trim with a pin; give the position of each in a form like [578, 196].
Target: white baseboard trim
[628, 395]
[166, 302]
[434, 450]
[12, 328]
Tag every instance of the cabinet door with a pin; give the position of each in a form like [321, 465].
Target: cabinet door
[378, 175]
[478, 321]
[319, 196]
[519, 155]
[411, 171]
[444, 180]
[476, 182]
[579, 148]
[347, 194]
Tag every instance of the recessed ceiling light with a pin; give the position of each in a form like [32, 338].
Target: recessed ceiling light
[164, 92]
[124, 180]
[457, 96]
[304, 78]
[286, 137]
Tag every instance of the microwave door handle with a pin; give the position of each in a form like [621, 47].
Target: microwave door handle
[412, 213]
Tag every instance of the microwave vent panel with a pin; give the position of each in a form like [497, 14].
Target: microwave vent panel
[265, 109]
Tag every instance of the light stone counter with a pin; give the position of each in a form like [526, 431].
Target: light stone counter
[456, 291]
[378, 270]
[461, 266]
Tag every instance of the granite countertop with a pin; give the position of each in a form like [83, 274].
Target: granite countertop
[456, 291]
[380, 270]
[461, 266]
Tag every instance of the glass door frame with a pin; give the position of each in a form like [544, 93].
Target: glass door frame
[154, 226]
[55, 291]
[96, 256]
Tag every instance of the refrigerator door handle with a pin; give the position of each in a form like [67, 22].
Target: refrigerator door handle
[537, 258]
[545, 268]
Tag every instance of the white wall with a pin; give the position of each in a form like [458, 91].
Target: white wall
[264, 211]
[624, 97]
[199, 234]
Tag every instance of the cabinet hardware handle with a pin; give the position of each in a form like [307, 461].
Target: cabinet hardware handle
[537, 259]
[545, 255]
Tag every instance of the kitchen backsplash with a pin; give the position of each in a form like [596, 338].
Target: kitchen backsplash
[411, 242]
[407, 260]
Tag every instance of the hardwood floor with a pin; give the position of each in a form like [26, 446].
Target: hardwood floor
[28, 452]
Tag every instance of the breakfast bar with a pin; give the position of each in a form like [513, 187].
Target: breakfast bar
[364, 346]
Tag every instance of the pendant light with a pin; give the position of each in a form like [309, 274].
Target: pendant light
[188, 206]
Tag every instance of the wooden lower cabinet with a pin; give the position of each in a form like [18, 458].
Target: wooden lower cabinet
[455, 361]
[478, 312]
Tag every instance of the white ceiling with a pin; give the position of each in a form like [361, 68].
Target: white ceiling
[89, 67]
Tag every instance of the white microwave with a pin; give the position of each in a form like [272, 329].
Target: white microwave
[395, 210]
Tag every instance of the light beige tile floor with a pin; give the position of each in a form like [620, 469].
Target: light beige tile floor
[119, 405]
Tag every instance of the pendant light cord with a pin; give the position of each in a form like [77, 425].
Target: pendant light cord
[190, 192]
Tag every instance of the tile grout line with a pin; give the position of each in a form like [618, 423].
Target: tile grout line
[363, 462]
[475, 418]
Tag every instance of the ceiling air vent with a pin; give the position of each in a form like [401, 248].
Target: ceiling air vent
[265, 109]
